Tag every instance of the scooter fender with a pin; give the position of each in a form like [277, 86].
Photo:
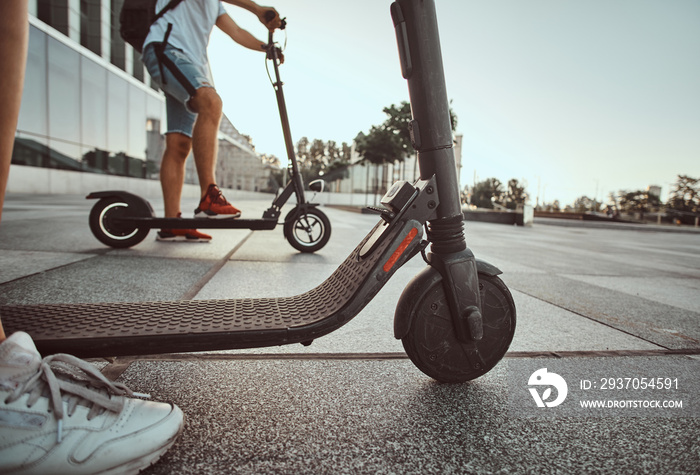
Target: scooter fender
[139, 205]
[298, 209]
[415, 292]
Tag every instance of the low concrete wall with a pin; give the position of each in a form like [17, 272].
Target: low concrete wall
[45, 181]
[524, 218]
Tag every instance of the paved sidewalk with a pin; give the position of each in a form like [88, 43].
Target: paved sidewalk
[352, 402]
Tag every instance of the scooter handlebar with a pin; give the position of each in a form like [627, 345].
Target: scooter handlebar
[270, 15]
[273, 51]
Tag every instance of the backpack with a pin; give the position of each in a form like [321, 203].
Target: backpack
[136, 18]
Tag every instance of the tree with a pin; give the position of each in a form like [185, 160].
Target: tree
[379, 146]
[685, 198]
[515, 195]
[338, 159]
[398, 124]
[270, 160]
[584, 204]
[390, 141]
[486, 192]
[638, 201]
[465, 195]
[317, 158]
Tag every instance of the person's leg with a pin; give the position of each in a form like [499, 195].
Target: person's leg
[205, 142]
[180, 122]
[172, 171]
[194, 110]
[134, 433]
[208, 106]
[172, 178]
[14, 34]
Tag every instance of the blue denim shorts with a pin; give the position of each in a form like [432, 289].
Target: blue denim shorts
[177, 95]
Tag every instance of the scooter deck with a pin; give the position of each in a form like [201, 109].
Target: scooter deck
[118, 329]
[204, 223]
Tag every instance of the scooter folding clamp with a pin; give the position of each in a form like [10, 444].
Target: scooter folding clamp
[405, 202]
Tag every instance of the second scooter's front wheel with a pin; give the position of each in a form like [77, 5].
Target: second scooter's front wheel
[307, 229]
[431, 342]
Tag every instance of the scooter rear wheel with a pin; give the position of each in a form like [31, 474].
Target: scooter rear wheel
[431, 343]
[107, 232]
[307, 230]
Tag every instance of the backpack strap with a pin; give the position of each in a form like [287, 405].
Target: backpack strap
[164, 61]
[172, 4]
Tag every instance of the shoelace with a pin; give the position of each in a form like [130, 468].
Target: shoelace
[86, 388]
[220, 199]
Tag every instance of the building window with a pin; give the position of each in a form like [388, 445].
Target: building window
[77, 114]
[64, 105]
[90, 25]
[93, 117]
[33, 116]
[137, 66]
[118, 49]
[53, 13]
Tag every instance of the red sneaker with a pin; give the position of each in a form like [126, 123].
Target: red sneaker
[214, 205]
[183, 235]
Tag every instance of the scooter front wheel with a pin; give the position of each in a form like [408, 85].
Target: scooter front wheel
[307, 230]
[431, 342]
[108, 232]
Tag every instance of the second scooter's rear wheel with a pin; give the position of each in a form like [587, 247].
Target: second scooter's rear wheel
[431, 343]
[104, 228]
[307, 230]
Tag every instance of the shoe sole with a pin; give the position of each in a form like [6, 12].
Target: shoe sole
[181, 239]
[133, 467]
[204, 214]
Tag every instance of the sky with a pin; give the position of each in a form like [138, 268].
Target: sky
[570, 97]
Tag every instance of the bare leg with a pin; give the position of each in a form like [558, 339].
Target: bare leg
[207, 103]
[172, 171]
[14, 33]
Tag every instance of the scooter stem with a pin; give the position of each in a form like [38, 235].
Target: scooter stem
[431, 130]
[415, 23]
[284, 119]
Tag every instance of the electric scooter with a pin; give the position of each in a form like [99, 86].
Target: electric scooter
[121, 219]
[456, 318]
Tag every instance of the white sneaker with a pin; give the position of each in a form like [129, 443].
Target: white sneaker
[61, 415]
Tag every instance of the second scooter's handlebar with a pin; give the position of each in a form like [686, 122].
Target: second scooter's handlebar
[273, 51]
[270, 15]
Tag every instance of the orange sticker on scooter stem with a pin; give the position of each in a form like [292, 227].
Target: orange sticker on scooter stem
[400, 250]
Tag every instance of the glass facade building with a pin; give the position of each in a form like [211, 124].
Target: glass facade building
[85, 105]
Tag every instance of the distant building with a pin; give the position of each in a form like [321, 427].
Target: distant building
[239, 167]
[654, 190]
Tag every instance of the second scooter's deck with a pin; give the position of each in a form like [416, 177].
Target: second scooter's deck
[115, 329]
[206, 223]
